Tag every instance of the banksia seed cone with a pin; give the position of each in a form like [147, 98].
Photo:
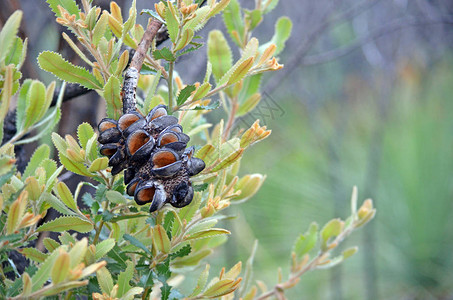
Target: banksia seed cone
[152, 151]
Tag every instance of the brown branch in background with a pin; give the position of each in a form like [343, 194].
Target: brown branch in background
[131, 75]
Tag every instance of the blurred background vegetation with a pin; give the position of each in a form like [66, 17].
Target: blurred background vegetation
[365, 99]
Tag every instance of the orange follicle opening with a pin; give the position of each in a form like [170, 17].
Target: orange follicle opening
[146, 195]
[137, 140]
[163, 158]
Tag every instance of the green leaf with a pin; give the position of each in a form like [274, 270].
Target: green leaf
[136, 243]
[219, 54]
[44, 270]
[164, 53]
[153, 14]
[50, 244]
[124, 278]
[69, 5]
[22, 104]
[282, 32]
[84, 133]
[66, 196]
[161, 239]
[185, 93]
[185, 39]
[66, 223]
[57, 65]
[78, 251]
[241, 70]
[272, 4]
[201, 282]
[332, 229]
[40, 154]
[57, 204]
[15, 53]
[8, 33]
[100, 28]
[105, 280]
[6, 94]
[112, 97]
[33, 254]
[104, 247]
[249, 104]
[165, 291]
[171, 21]
[229, 160]
[74, 167]
[98, 164]
[248, 54]
[208, 233]
[184, 251]
[60, 268]
[192, 259]
[306, 242]
[232, 17]
[130, 21]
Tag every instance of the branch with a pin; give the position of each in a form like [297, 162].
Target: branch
[132, 73]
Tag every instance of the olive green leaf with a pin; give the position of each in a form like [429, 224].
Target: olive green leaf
[208, 233]
[16, 212]
[74, 167]
[248, 55]
[164, 53]
[60, 268]
[66, 196]
[282, 32]
[66, 223]
[69, 5]
[172, 21]
[105, 280]
[201, 282]
[232, 17]
[84, 133]
[54, 63]
[99, 164]
[43, 273]
[40, 154]
[33, 254]
[184, 94]
[100, 28]
[306, 242]
[8, 33]
[219, 54]
[124, 278]
[161, 239]
[50, 244]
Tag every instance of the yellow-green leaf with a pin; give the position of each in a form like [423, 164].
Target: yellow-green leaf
[112, 97]
[161, 239]
[66, 196]
[61, 267]
[98, 164]
[219, 54]
[57, 65]
[66, 223]
[207, 233]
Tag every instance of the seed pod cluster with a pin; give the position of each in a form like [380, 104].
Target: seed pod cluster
[152, 151]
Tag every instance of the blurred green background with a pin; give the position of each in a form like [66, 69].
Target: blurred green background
[365, 99]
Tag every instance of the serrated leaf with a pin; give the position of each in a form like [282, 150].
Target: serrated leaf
[66, 196]
[74, 167]
[50, 244]
[184, 251]
[153, 14]
[8, 33]
[202, 90]
[14, 55]
[161, 239]
[69, 5]
[99, 164]
[233, 20]
[249, 52]
[105, 280]
[78, 251]
[40, 154]
[171, 21]
[84, 133]
[164, 53]
[229, 160]
[112, 97]
[100, 28]
[64, 286]
[306, 241]
[124, 278]
[201, 282]
[60, 268]
[44, 270]
[16, 212]
[57, 65]
[66, 223]
[208, 233]
[219, 6]
[52, 178]
[129, 24]
[184, 94]
[221, 287]
[34, 254]
[104, 247]
[132, 292]
[219, 54]
[282, 32]
[185, 39]
[241, 71]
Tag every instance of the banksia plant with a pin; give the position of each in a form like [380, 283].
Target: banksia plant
[154, 146]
